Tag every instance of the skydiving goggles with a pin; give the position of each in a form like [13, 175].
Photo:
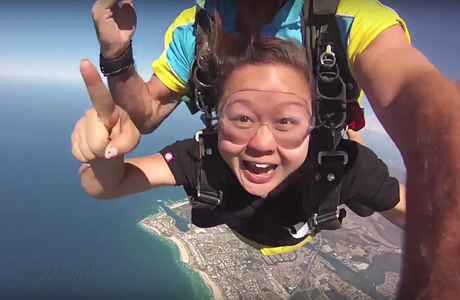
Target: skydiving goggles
[289, 117]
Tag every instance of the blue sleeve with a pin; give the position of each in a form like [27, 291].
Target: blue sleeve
[174, 64]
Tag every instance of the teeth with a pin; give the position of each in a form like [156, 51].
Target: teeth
[262, 166]
[265, 174]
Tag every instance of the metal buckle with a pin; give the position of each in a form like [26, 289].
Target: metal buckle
[196, 80]
[326, 217]
[328, 57]
[197, 135]
[199, 194]
[334, 153]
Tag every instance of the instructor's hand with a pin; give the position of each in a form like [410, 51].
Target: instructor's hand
[105, 130]
[115, 23]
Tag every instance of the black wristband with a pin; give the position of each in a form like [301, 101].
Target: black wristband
[112, 67]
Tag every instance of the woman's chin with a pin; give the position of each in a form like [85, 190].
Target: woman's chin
[257, 190]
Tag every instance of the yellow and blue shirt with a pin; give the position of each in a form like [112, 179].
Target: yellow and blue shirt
[359, 21]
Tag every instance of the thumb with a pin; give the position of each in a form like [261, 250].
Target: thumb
[98, 93]
[124, 142]
[104, 4]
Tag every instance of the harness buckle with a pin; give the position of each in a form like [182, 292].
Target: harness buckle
[197, 135]
[202, 132]
[197, 81]
[330, 221]
[327, 58]
[331, 216]
[206, 199]
[334, 153]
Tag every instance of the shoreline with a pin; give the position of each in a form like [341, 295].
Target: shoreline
[185, 258]
[217, 293]
[178, 204]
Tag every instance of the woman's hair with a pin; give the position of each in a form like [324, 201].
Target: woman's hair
[230, 52]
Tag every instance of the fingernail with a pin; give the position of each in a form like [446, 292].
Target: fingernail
[110, 152]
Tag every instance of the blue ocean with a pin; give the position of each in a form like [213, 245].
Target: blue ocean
[55, 241]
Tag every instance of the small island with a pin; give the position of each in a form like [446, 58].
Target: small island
[360, 261]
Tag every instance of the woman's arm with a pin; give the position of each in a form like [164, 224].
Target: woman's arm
[355, 136]
[397, 215]
[369, 184]
[119, 177]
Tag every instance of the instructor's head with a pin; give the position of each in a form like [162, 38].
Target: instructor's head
[263, 93]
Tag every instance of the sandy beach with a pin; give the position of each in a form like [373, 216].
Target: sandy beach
[217, 293]
[184, 256]
[178, 204]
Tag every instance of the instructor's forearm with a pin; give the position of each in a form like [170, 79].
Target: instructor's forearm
[430, 142]
[130, 92]
[101, 177]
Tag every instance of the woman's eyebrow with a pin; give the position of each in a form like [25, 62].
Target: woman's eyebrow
[240, 100]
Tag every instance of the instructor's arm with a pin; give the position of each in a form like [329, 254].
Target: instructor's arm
[419, 107]
[147, 103]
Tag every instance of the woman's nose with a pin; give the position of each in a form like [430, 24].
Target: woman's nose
[263, 141]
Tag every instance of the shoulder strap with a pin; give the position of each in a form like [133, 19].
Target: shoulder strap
[211, 181]
[326, 54]
[320, 29]
[199, 89]
[208, 190]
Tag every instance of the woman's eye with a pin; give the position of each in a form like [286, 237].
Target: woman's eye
[243, 119]
[286, 121]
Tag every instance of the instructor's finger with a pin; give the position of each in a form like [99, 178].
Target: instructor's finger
[98, 93]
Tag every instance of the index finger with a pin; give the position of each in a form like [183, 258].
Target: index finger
[98, 93]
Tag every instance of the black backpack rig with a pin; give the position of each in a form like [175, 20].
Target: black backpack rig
[337, 95]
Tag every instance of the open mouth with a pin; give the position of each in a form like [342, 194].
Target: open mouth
[259, 169]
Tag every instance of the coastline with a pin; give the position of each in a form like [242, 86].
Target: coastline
[185, 257]
[178, 204]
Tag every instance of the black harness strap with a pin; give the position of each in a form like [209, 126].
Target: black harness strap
[211, 182]
[324, 186]
[325, 52]
[209, 193]
[199, 88]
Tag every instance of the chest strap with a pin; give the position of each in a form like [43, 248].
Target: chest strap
[209, 193]
[324, 183]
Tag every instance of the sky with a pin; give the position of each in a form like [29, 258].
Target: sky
[45, 40]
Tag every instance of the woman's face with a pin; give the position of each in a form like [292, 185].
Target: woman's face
[265, 121]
